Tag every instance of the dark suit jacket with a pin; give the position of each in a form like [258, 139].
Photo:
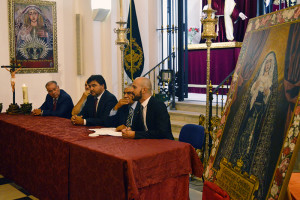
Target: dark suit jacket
[106, 103]
[157, 120]
[122, 114]
[64, 106]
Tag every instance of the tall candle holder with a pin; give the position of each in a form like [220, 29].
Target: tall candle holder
[122, 41]
[13, 109]
[209, 33]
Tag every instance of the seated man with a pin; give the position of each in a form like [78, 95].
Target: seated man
[154, 120]
[98, 105]
[58, 102]
[121, 116]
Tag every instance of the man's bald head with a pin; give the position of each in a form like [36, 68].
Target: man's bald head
[142, 89]
[144, 82]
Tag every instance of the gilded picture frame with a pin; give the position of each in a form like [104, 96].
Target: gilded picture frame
[33, 35]
[258, 136]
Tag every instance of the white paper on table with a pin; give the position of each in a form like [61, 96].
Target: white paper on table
[105, 131]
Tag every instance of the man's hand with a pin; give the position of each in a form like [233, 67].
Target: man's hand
[121, 103]
[86, 93]
[120, 128]
[37, 112]
[128, 133]
[77, 120]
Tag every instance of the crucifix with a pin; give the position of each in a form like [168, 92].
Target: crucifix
[13, 69]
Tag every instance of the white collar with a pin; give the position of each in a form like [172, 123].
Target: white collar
[145, 103]
[133, 105]
[99, 97]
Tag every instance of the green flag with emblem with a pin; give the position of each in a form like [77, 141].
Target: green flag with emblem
[134, 54]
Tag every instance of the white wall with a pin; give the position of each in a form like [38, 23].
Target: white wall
[100, 54]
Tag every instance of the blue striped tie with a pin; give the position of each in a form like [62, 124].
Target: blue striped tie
[129, 118]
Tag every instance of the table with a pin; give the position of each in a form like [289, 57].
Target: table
[35, 153]
[53, 159]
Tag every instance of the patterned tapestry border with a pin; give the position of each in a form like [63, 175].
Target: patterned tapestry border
[275, 18]
[286, 155]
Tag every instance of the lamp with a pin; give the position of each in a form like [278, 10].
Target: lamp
[166, 75]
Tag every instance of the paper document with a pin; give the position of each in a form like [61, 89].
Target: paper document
[105, 131]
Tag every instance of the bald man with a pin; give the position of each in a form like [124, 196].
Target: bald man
[154, 120]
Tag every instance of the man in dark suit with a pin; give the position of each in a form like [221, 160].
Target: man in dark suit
[124, 112]
[58, 102]
[98, 104]
[154, 120]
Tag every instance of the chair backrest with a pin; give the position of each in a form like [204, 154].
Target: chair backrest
[193, 134]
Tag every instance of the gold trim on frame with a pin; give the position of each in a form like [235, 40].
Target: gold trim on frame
[238, 185]
[12, 38]
[217, 45]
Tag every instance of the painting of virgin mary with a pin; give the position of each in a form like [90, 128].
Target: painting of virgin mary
[254, 122]
[33, 35]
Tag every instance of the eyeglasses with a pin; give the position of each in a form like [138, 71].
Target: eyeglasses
[128, 93]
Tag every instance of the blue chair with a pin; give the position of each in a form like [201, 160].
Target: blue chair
[192, 134]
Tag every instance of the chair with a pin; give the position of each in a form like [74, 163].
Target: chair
[192, 134]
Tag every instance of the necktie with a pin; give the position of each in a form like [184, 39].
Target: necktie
[54, 104]
[129, 117]
[95, 107]
[142, 117]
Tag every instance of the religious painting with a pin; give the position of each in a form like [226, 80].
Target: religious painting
[33, 35]
[259, 129]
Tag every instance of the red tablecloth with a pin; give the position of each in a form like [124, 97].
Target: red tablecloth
[127, 166]
[212, 191]
[53, 159]
[35, 153]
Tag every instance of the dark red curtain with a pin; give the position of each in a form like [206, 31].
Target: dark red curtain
[222, 63]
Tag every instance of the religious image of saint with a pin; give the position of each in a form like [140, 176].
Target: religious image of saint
[257, 106]
[34, 33]
[33, 24]
[252, 125]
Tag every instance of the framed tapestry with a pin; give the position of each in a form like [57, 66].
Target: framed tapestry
[33, 35]
[257, 142]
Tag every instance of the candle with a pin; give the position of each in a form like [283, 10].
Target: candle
[121, 9]
[25, 93]
[209, 3]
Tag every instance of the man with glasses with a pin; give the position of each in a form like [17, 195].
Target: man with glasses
[121, 116]
[58, 102]
[153, 121]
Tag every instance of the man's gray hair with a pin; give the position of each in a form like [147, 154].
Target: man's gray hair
[48, 83]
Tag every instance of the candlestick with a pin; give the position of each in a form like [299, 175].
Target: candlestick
[25, 94]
